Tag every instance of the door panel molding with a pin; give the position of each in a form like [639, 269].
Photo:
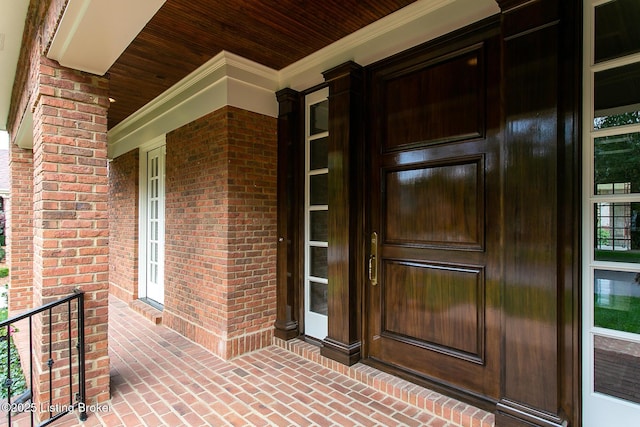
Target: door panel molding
[446, 312]
[450, 215]
[422, 103]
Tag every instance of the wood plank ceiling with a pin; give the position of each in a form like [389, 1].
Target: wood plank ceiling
[185, 34]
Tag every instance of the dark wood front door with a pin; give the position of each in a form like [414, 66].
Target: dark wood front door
[432, 301]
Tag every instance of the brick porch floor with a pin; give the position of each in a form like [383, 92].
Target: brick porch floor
[160, 378]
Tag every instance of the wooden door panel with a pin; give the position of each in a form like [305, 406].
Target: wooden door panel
[437, 307]
[435, 202]
[453, 87]
[438, 205]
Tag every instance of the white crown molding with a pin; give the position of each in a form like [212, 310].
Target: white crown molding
[229, 79]
[226, 79]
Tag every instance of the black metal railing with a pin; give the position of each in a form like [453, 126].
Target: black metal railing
[63, 320]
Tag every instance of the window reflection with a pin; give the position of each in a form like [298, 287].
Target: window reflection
[616, 368]
[617, 300]
[616, 25]
[319, 193]
[319, 157]
[617, 162]
[617, 96]
[617, 234]
[318, 262]
[318, 295]
[319, 117]
[318, 227]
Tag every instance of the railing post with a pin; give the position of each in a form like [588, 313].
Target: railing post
[81, 362]
[8, 381]
[55, 355]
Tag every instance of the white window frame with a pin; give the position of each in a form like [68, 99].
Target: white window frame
[598, 409]
[143, 214]
[315, 325]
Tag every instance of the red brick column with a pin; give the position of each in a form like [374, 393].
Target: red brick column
[220, 266]
[20, 230]
[70, 245]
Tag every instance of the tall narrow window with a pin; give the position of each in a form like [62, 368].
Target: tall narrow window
[152, 197]
[316, 213]
[611, 209]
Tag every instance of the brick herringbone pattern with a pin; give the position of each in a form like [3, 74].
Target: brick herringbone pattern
[160, 378]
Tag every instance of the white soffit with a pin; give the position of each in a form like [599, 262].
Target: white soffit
[93, 33]
[24, 136]
[228, 79]
[13, 14]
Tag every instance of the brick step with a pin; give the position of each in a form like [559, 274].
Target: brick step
[454, 412]
[149, 312]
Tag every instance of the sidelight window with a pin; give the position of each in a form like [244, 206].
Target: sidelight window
[316, 213]
[611, 211]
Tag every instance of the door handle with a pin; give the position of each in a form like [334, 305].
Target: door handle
[373, 259]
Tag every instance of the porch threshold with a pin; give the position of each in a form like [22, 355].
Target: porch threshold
[147, 309]
[454, 411]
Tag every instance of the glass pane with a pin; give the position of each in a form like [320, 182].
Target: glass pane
[318, 262]
[617, 232]
[617, 300]
[318, 295]
[616, 32]
[319, 118]
[319, 193]
[617, 164]
[319, 154]
[617, 96]
[616, 368]
[318, 225]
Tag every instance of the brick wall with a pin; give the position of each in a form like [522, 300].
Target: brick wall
[70, 223]
[123, 226]
[221, 231]
[20, 230]
[59, 204]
